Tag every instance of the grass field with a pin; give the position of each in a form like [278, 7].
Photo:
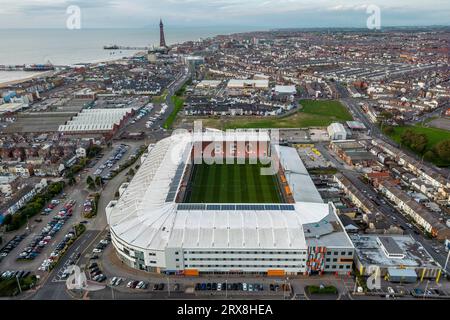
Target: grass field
[314, 113]
[178, 103]
[232, 183]
[434, 136]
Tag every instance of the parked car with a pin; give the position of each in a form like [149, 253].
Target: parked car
[112, 282]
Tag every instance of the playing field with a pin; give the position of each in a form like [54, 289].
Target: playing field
[313, 113]
[232, 183]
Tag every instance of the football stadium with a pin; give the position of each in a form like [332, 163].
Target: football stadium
[218, 202]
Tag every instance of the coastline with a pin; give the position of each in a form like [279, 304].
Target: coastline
[32, 76]
[75, 41]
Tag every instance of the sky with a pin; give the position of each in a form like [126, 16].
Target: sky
[208, 13]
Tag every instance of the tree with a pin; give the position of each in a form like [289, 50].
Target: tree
[7, 219]
[98, 181]
[420, 143]
[429, 155]
[16, 220]
[443, 150]
[89, 180]
[415, 141]
[388, 130]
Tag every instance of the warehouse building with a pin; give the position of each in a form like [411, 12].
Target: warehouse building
[336, 131]
[97, 121]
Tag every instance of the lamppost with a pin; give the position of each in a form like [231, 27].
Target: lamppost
[168, 287]
[226, 289]
[18, 283]
[426, 289]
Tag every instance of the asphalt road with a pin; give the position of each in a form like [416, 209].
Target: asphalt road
[54, 288]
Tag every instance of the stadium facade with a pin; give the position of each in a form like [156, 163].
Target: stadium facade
[153, 229]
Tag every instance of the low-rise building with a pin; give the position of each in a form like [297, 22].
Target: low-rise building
[423, 217]
[336, 131]
[399, 258]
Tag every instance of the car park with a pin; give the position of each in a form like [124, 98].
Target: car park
[46, 235]
[11, 245]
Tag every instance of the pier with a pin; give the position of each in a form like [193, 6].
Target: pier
[116, 47]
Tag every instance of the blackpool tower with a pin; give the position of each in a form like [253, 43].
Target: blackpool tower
[162, 40]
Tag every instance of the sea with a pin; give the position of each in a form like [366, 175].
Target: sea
[66, 47]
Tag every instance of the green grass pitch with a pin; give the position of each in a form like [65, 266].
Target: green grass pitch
[232, 183]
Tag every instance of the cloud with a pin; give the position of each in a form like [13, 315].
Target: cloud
[136, 13]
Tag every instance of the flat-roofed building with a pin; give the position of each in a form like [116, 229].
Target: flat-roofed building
[248, 84]
[393, 254]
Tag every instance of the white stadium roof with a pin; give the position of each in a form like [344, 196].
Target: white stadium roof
[147, 217]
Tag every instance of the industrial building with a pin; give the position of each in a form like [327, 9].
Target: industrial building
[353, 153]
[247, 84]
[399, 257]
[153, 229]
[101, 121]
[336, 131]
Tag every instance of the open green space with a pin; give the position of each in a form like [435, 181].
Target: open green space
[232, 183]
[161, 98]
[10, 287]
[434, 140]
[178, 102]
[312, 113]
[321, 289]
